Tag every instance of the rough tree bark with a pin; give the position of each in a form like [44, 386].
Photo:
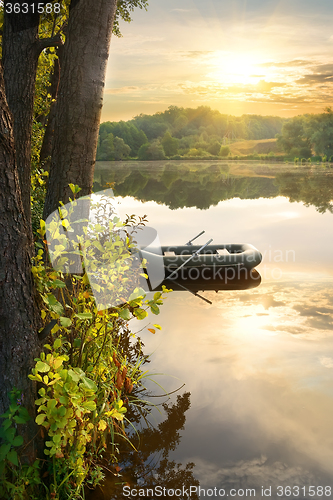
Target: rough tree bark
[19, 314]
[20, 60]
[46, 149]
[21, 48]
[80, 99]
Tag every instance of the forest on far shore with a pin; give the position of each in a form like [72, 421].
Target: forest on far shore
[204, 133]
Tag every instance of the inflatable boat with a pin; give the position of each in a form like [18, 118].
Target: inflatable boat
[198, 262]
[230, 255]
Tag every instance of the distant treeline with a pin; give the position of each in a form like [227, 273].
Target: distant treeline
[182, 133]
[303, 136]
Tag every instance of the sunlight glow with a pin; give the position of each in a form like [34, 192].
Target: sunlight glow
[289, 215]
[236, 68]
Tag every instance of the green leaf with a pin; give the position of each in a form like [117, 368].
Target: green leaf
[125, 314]
[158, 327]
[9, 434]
[56, 438]
[66, 322]
[89, 384]
[155, 309]
[62, 411]
[40, 401]
[140, 313]
[54, 304]
[18, 441]
[74, 376]
[19, 420]
[157, 295]
[98, 245]
[42, 367]
[4, 449]
[84, 315]
[90, 405]
[23, 412]
[57, 343]
[12, 457]
[138, 292]
[58, 284]
[57, 363]
[6, 425]
[40, 418]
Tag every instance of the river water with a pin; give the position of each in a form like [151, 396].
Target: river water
[255, 366]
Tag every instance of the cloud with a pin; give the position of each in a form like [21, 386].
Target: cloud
[181, 10]
[264, 86]
[122, 90]
[327, 362]
[192, 54]
[314, 79]
[312, 311]
[252, 473]
[286, 64]
[324, 68]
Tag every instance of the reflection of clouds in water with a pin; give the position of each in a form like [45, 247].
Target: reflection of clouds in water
[254, 393]
[313, 310]
[253, 473]
[267, 299]
[303, 308]
[327, 362]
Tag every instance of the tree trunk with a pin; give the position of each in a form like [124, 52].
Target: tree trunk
[19, 315]
[20, 59]
[80, 98]
[46, 149]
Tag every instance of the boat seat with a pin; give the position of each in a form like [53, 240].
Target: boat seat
[222, 251]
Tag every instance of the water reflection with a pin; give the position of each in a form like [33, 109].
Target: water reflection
[204, 184]
[180, 185]
[312, 188]
[241, 279]
[149, 465]
[257, 361]
[259, 367]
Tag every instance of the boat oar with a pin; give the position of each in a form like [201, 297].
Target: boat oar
[195, 237]
[194, 293]
[190, 258]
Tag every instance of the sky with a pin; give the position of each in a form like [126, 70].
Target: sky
[239, 57]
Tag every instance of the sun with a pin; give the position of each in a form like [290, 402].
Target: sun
[235, 68]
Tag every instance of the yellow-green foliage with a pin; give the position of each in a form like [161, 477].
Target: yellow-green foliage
[86, 380]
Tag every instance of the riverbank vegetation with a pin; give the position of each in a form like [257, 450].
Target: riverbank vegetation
[89, 373]
[203, 133]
